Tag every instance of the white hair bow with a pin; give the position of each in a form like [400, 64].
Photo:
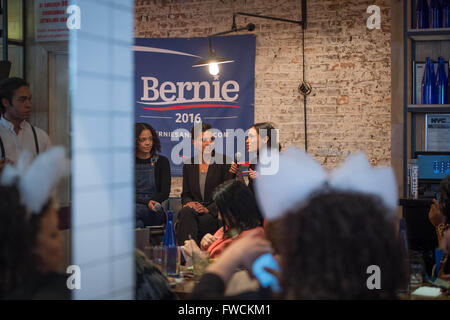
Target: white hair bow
[299, 176]
[36, 179]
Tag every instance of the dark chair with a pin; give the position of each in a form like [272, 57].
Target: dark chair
[142, 238]
[156, 234]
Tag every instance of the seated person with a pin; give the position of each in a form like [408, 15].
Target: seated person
[152, 177]
[239, 214]
[31, 243]
[200, 177]
[439, 216]
[334, 227]
[151, 284]
[259, 140]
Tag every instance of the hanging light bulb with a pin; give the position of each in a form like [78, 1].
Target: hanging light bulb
[213, 68]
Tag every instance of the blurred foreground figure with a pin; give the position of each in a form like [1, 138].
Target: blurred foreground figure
[30, 241]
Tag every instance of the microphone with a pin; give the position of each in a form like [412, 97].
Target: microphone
[158, 207]
[238, 173]
[237, 156]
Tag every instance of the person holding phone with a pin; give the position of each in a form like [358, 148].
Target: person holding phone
[332, 229]
[440, 208]
[240, 215]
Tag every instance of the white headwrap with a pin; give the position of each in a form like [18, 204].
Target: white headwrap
[299, 176]
[36, 179]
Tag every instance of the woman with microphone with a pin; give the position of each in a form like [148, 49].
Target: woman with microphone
[262, 137]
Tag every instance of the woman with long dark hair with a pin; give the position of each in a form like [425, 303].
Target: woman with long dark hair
[30, 241]
[239, 213]
[262, 137]
[31, 251]
[337, 236]
[152, 177]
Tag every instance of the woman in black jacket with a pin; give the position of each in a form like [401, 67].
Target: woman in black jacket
[152, 177]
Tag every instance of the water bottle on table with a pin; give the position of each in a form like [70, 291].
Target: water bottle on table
[171, 250]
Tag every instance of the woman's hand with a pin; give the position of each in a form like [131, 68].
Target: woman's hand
[207, 240]
[197, 206]
[252, 174]
[233, 168]
[151, 204]
[193, 205]
[435, 215]
[191, 248]
[202, 209]
[241, 253]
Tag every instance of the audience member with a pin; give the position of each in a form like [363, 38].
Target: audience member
[439, 216]
[31, 243]
[334, 228]
[239, 214]
[151, 284]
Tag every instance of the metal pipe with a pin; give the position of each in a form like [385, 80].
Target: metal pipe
[271, 18]
[249, 27]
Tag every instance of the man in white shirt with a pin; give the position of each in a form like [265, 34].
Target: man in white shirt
[16, 133]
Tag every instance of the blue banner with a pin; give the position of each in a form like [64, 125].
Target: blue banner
[170, 94]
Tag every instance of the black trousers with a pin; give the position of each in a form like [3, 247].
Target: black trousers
[195, 224]
[146, 217]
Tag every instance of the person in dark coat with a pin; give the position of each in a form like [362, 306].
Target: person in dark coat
[201, 175]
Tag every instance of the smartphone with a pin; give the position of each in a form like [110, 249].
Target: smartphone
[266, 279]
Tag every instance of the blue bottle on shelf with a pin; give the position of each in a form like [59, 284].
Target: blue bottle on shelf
[170, 248]
[422, 12]
[441, 83]
[428, 84]
[445, 13]
[448, 86]
[435, 14]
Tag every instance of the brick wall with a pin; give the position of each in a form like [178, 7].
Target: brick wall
[348, 66]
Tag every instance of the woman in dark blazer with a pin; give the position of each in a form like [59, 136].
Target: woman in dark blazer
[199, 213]
[152, 177]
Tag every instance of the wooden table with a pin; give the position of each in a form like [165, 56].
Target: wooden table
[183, 285]
[239, 282]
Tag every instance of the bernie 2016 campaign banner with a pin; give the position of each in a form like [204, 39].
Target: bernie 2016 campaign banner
[170, 94]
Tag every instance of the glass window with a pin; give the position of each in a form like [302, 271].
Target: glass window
[15, 23]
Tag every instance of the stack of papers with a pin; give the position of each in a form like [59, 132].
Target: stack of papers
[427, 292]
